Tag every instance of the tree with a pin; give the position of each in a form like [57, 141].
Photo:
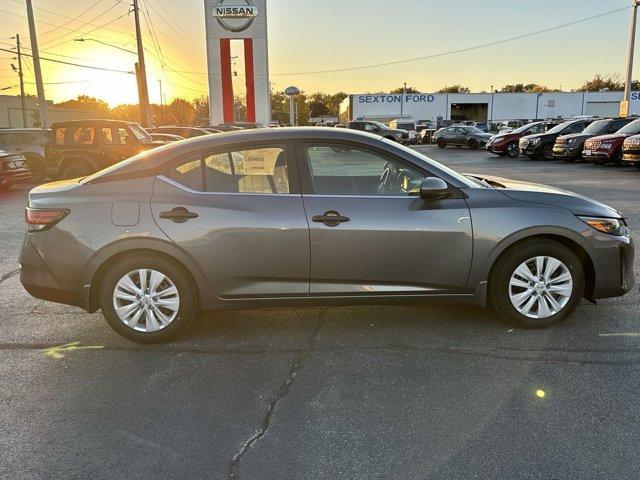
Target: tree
[600, 82]
[201, 104]
[528, 88]
[180, 112]
[404, 90]
[127, 111]
[454, 89]
[86, 103]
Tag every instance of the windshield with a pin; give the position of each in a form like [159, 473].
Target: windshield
[473, 130]
[414, 153]
[631, 128]
[380, 124]
[406, 126]
[524, 128]
[559, 128]
[596, 127]
[141, 134]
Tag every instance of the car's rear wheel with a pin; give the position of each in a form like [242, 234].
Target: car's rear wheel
[512, 150]
[441, 143]
[617, 158]
[76, 169]
[148, 299]
[473, 143]
[537, 283]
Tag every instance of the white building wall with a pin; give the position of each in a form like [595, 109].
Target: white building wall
[501, 106]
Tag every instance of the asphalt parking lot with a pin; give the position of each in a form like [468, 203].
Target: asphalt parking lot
[341, 392]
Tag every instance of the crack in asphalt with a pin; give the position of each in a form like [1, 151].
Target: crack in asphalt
[7, 276]
[280, 393]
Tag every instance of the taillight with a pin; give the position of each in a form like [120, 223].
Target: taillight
[39, 219]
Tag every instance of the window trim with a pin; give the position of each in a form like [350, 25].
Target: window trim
[306, 181]
[286, 145]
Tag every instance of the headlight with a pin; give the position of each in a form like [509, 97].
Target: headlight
[606, 146]
[535, 141]
[570, 141]
[612, 226]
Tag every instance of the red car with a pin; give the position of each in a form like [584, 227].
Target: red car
[608, 148]
[507, 143]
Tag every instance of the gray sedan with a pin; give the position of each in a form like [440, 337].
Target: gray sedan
[303, 216]
[461, 136]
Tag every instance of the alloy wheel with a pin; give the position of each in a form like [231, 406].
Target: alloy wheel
[146, 300]
[512, 150]
[540, 287]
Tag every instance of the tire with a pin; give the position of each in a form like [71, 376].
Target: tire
[37, 168]
[547, 153]
[512, 150]
[149, 327]
[504, 296]
[473, 144]
[617, 158]
[76, 169]
[441, 143]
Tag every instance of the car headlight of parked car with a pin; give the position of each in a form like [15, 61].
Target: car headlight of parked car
[534, 141]
[605, 146]
[612, 226]
[571, 141]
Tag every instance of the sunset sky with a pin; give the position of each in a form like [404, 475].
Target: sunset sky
[312, 35]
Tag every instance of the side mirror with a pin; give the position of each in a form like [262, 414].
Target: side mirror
[432, 188]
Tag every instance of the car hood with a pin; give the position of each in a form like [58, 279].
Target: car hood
[611, 136]
[577, 136]
[547, 195]
[484, 136]
[505, 136]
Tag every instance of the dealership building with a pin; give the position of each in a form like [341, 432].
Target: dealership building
[491, 107]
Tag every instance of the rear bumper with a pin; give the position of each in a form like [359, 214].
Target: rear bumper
[44, 283]
[10, 177]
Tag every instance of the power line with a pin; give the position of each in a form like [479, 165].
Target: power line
[91, 31]
[73, 64]
[84, 24]
[71, 19]
[461, 50]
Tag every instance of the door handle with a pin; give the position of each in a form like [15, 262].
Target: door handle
[330, 218]
[178, 215]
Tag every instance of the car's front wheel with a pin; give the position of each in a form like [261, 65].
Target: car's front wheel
[473, 143]
[148, 299]
[512, 150]
[536, 283]
[441, 143]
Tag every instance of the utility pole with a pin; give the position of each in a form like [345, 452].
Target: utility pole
[624, 105]
[141, 72]
[22, 101]
[42, 103]
[161, 103]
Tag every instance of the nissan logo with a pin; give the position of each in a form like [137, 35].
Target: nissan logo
[235, 17]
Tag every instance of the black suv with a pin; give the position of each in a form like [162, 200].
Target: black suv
[81, 147]
[569, 147]
[13, 169]
[379, 128]
[540, 145]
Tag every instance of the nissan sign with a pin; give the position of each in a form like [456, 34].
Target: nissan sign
[235, 17]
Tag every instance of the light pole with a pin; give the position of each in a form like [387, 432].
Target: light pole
[624, 105]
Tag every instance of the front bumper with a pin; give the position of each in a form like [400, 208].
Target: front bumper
[589, 155]
[631, 155]
[566, 151]
[613, 264]
[499, 148]
[531, 150]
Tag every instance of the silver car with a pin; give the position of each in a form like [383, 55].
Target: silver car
[306, 216]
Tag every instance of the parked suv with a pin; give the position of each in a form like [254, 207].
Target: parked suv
[379, 128]
[506, 143]
[13, 169]
[81, 147]
[184, 132]
[569, 147]
[540, 145]
[608, 148]
[631, 150]
[30, 142]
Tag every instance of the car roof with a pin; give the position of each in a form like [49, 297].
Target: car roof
[88, 121]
